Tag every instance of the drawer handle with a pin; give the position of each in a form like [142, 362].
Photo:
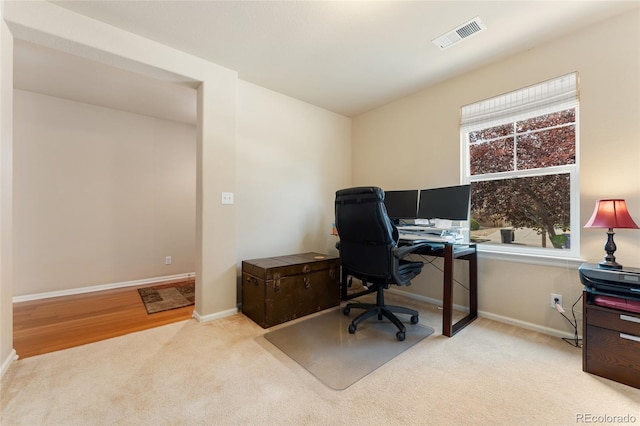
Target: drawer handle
[629, 337]
[629, 318]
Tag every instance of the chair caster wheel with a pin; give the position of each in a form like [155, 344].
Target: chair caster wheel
[400, 335]
[414, 319]
[346, 310]
[352, 328]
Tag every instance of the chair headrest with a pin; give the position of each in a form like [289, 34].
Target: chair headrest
[359, 194]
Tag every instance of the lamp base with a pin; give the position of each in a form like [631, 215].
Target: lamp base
[609, 261]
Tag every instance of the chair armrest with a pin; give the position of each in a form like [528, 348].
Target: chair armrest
[403, 251]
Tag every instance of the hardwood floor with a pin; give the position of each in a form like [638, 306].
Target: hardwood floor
[48, 325]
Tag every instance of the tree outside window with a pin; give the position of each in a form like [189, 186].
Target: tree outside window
[520, 174]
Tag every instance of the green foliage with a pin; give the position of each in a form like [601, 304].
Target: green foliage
[559, 240]
[474, 225]
[538, 202]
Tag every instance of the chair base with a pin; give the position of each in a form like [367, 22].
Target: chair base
[381, 310]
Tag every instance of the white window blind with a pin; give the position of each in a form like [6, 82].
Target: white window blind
[543, 98]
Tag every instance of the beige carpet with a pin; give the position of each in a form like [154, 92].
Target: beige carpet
[224, 373]
[323, 346]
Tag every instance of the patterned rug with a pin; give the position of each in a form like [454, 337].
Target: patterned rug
[168, 296]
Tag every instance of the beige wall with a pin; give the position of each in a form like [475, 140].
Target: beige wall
[101, 196]
[292, 157]
[7, 353]
[420, 134]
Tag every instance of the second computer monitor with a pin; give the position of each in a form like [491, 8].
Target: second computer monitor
[401, 204]
[450, 203]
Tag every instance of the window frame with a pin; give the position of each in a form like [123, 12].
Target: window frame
[573, 253]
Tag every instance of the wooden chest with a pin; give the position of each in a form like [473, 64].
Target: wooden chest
[283, 288]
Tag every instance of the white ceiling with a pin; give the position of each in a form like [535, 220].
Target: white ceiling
[345, 56]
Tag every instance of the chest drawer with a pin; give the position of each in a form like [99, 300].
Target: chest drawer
[614, 355]
[622, 321]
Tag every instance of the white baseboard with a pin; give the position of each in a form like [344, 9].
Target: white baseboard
[506, 320]
[527, 325]
[214, 316]
[102, 287]
[429, 300]
[7, 362]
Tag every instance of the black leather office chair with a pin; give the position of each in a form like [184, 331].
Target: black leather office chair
[369, 252]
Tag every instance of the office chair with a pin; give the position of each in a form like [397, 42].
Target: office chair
[369, 252]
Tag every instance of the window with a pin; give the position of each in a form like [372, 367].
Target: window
[520, 156]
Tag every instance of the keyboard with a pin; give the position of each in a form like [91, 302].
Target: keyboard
[425, 238]
[416, 228]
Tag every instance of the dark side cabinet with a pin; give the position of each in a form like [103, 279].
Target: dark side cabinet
[283, 288]
[611, 343]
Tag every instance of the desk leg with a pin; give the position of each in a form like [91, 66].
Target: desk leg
[447, 293]
[473, 297]
[473, 285]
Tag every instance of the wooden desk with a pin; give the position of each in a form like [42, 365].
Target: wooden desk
[449, 252]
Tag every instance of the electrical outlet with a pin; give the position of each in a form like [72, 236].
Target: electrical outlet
[167, 260]
[552, 300]
[227, 198]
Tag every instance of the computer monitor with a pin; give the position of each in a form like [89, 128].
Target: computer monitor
[401, 204]
[451, 202]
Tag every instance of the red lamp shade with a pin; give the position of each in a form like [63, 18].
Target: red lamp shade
[611, 214]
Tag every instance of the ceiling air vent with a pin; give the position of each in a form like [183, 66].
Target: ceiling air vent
[463, 31]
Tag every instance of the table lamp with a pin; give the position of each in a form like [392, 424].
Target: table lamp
[610, 214]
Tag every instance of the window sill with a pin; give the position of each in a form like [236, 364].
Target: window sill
[530, 258]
